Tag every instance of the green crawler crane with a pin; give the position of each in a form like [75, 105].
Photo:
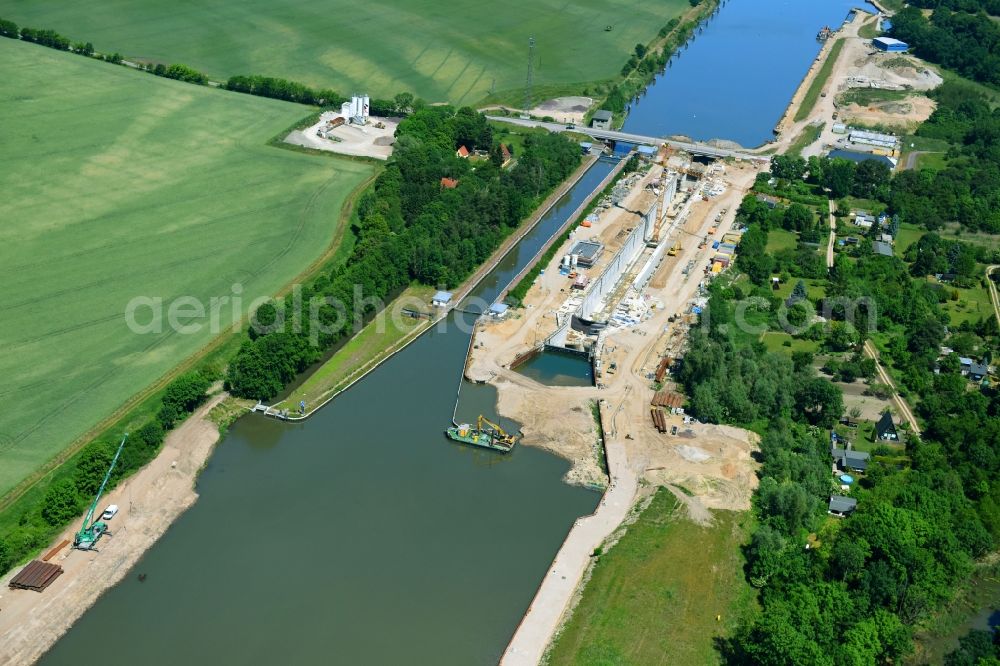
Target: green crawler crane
[93, 530]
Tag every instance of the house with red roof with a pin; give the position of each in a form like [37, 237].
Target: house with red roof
[504, 155]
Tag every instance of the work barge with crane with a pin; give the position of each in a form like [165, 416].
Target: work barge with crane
[486, 434]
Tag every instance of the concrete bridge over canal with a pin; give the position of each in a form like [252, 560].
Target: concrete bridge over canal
[695, 148]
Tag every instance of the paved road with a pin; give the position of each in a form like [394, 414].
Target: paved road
[693, 148]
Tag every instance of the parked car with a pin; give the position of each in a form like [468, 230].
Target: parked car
[110, 512]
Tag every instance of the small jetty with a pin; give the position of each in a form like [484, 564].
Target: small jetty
[272, 411]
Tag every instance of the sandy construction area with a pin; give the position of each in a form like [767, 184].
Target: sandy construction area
[706, 466]
[152, 499]
[367, 141]
[714, 464]
[860, 66]
[564, 109]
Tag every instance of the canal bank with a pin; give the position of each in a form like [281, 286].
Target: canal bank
[371, 494]
[346, 495]
[735, 78]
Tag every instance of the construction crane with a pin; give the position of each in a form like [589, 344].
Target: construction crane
[498, 433]
[93, 530]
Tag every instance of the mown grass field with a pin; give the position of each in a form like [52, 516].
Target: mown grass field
[375, 342]
[655, 596]
[119, 184]
[441, 51]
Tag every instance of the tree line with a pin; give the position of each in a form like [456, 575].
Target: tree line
[76, 483]
[411, 229]
[644, 63]
[253, 84]
[850, 590]
[53, 40]
[293, 91]
[959, 35]
[844, 591]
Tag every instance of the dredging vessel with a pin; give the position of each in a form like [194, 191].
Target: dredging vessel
[492, 436]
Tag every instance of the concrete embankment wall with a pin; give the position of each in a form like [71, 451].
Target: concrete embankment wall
[573, 217]
[613, 272]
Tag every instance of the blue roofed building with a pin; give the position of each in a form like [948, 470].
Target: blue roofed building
[890, 45]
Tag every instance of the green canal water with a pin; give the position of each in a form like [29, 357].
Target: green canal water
[360, 536]
[554, 368]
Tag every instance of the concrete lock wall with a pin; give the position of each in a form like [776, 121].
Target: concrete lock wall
[612, 273]
[632, 247]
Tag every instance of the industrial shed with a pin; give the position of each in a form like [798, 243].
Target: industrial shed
[891, 45]
[601, 119]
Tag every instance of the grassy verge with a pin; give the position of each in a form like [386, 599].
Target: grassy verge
[808, 137]
[663, 593]
[869, 30]
[818, 83]
[376, 341]
[869, 96]
[595, 410]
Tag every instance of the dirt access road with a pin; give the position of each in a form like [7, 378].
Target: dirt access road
[150, 501]
[994, 296]
[857, 59]
[714, 462]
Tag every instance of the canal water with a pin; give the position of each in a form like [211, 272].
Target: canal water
[736, 77]
[360, 536]
[555, 368]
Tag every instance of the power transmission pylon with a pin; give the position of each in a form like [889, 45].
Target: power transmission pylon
[531, 76]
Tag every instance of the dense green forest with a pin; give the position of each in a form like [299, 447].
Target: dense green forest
[411, 228]
[851, 590]
[966, 40]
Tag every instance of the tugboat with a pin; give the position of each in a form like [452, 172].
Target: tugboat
[490, 437]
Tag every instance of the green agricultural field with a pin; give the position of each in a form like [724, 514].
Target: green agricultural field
[441, 51]
[663, 594]
[118, 184]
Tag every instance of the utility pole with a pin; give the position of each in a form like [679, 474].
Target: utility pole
[531, 76]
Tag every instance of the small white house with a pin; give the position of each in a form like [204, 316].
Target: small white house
[441, 299]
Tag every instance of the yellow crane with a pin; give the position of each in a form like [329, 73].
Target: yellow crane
[498, 432]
